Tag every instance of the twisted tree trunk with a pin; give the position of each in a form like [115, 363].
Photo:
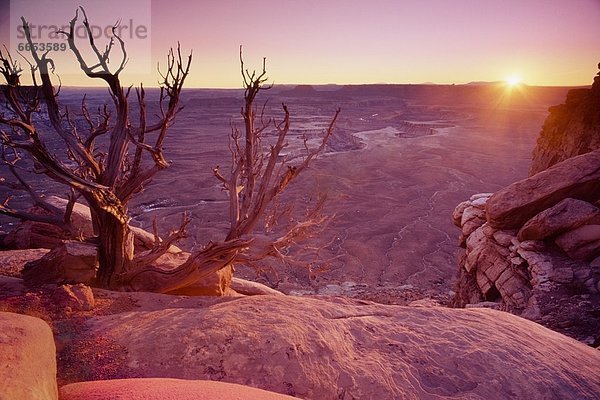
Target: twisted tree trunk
[115, 250]
[189, 269]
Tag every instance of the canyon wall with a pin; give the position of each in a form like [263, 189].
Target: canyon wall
[571, 128]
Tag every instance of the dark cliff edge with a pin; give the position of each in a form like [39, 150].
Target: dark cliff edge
[571, 128]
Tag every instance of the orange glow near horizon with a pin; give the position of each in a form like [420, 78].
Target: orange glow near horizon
[550, 42]
[513, 80]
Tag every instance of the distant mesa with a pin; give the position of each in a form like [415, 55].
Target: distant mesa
[301, 91]
[484, 83]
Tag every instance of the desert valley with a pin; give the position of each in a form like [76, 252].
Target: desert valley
[401, 159]
[319, 200]
[369, 319]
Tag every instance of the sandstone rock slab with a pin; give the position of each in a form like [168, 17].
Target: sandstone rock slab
[577, 177]
[34, 235]
[330, 349]
[568, 214]
[163, 388]
[27, 359]
[81, 218]
[249, 288]
[458, 212]
[472, 218]
[13, 261]
[71, 262]
[30, 234]
[582, 243]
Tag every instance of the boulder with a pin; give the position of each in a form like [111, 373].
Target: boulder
[71, 262]
[458, 212]
[514, 287]
[215, 284]
[249, 288]
[81, 218]
[567, 215]
[504, 238]
[582, 243]
[34, 235]
[10, 286]
[144, 240]
[472, 218]
[475, 245]
[13, 261]
[339, 348]
[163, 388]
[540, 264]
[27, 359]
[470, 215]
[31, 234]
[75, 262]
[496, 276]
[480, 198]
[577, 178]
[77, 297]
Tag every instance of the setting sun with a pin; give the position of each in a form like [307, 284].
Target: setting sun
[513, 80]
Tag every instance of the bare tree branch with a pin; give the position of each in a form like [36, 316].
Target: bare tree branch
[106, 179]
[258, 177]
[49, 97]
[161, 246]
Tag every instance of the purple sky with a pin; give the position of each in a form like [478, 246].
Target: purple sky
[544, 42]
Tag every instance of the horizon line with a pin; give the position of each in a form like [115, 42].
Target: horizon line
[475, 83]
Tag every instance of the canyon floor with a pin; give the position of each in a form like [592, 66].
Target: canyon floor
[401, 159]
[395, 170]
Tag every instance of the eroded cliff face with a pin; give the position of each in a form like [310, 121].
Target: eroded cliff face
[546, 265]
[533, 248]
[571, 128]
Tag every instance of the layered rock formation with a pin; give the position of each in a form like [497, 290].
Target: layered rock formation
[571, 129]
[533, 248]
[536, 252]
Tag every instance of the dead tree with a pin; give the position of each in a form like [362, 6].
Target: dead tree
[107, 173]
[259, 176]
[105, 177]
